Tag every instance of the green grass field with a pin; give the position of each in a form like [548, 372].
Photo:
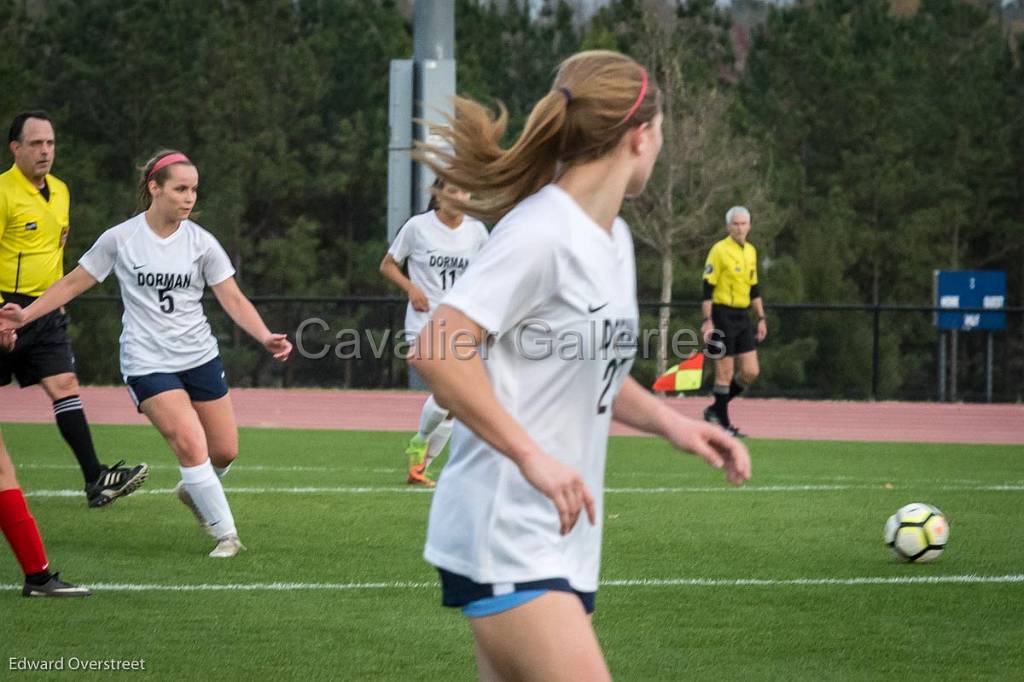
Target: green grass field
[722, 598]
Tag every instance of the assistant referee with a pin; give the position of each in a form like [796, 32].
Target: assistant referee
[730, 290]
[34, 220]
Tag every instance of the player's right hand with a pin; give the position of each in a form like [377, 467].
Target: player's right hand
[712, 444]
[12, 316]
[279, 346]
[418, 299]
[563, 486]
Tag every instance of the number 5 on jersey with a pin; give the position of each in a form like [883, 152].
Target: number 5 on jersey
[166, 302]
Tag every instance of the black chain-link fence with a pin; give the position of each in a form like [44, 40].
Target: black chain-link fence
[855, 352]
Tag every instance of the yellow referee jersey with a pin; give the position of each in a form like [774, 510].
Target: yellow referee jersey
[31, 231]
[731, 269]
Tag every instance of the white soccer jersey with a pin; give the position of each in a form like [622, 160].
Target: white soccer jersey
[437, 255]
[162, 283]
[557, 294]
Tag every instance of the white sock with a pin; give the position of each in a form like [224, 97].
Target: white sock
[208, 494]
[431, 415]
[438, 439]
[222, 471]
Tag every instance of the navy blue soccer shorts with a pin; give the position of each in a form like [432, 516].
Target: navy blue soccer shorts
[202, 383]
[480, 599]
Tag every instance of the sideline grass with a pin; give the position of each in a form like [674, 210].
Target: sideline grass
[814, 510]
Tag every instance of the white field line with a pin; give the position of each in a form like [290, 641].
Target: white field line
[970, 579]
[825, 480]
[258, 491]
[351, 490]
[246, 467]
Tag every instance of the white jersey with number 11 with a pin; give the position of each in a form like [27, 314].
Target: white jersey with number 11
[437, 256]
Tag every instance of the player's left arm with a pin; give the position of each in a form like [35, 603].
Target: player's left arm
[640, 409]
[241, 310]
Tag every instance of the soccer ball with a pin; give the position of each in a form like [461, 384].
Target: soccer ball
[917, 532]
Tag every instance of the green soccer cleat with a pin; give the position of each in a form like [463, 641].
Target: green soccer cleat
[417, 454]
[416, 451]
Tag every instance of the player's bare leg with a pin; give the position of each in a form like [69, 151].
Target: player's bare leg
[221, 429]
[174, 416]
[423, 446]
[549, 638]
[484, 668]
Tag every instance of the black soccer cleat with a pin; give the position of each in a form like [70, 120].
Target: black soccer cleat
[710, 416]
[114, 482]
[735, 432]
[54, 587]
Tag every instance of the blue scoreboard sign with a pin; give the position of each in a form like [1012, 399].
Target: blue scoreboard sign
[970, 289]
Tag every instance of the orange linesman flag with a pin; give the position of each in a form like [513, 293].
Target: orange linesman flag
[686, 376]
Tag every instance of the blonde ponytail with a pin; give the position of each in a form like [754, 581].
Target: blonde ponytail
[596, 97]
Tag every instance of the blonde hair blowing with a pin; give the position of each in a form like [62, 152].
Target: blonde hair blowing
[581, 119]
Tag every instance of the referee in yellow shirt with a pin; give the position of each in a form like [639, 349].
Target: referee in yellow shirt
[34, 220]
[730, 290]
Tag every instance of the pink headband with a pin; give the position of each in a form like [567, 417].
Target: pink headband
[640, 97]
[165, 161]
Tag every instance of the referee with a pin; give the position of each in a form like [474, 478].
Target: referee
[34, 219]
[730, 290]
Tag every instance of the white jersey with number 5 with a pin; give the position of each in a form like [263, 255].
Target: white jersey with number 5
[557, 294]
[162, 283]
[437, 255]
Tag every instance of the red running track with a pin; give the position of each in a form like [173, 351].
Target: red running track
[399, 411]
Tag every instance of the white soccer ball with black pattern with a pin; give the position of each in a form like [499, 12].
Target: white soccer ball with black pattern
[917, 532]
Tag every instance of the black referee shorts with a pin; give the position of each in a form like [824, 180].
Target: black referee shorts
[43, 348]
[734, 329]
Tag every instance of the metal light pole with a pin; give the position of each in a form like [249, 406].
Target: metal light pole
[420, 88]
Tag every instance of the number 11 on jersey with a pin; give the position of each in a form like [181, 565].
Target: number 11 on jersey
[445, 283]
